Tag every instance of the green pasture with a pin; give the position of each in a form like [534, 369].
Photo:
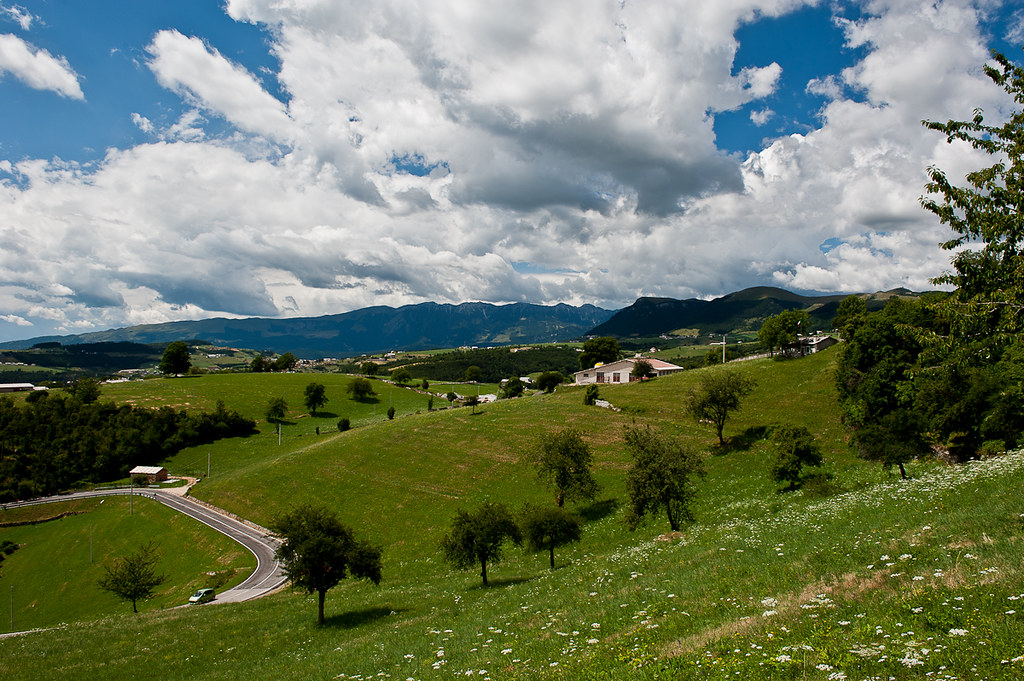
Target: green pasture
[871, 577]
[52, 576]
[250, 393]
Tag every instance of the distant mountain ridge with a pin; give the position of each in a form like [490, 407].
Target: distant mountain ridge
[433, 325]
[368, 330]
[743, 310]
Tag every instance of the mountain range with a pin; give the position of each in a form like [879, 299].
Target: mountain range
[432, 325]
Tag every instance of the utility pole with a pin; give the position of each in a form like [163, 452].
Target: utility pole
[723, 348]
[12, 608]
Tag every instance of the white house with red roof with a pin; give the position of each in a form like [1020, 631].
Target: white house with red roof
[622, 371]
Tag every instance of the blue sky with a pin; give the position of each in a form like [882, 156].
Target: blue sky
[163, 161]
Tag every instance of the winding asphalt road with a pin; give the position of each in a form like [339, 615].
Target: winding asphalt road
[266, 578]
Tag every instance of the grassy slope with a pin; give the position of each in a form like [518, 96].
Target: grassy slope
[765, 585]
[54, 580]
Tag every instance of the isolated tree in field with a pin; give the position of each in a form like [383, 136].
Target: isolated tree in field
[401, 375]
[547, 528]
[793, 448]
[276, 409]
[599, 350]
[133, 577]
[319, 551]
[549, 380]
[316, 397]
[591, 395]
[477, 538]
[176, 359]
[642, 369]
[563, 461]
[472, 374]
[451, 397]
[361, 389]
[425, 384]
[260, 364]
[391, 413]
[661, 477]
[716, 396]
[369, 368]
[472, 401]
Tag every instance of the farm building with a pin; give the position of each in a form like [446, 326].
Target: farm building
[621, 371]
[18, 387]
[152, 473]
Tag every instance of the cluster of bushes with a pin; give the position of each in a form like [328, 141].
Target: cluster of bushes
[7, 547]
[56, 441]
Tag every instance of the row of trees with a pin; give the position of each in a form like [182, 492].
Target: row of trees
[263, 364]
[661, 479]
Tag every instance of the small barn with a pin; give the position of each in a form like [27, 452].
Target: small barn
[152, 474]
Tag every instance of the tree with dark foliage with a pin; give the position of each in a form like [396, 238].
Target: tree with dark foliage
[794, 449]
[564, 461]
[318, 552]
[176, 359]
[477, 538]
[316, 397]
[547, 528]
[661, 477]
[717, 395]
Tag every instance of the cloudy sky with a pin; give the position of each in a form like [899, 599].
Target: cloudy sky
[197, 158]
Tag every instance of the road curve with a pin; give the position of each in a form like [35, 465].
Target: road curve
[267, 576]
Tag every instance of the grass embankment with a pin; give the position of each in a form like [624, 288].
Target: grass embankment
[55, 571]
[884, 579]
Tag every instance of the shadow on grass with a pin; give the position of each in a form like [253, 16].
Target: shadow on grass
[356, 618]
[325, 415]
[741, 442]
[502, 583]
[599, 509]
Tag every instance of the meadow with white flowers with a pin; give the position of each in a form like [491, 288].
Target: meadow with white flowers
[869, 577]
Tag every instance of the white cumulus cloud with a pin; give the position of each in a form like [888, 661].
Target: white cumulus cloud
[37, 68]
[536, 151]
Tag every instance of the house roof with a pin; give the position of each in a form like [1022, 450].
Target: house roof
[656, 364]
[145, 470]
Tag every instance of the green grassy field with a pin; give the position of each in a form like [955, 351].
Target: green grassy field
[55, 571]
[877, 578]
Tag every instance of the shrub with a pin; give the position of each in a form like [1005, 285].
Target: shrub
[344, 424]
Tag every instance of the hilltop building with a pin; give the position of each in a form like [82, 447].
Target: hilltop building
[622, 371]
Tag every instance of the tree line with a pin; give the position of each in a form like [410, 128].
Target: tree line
[55, 440]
